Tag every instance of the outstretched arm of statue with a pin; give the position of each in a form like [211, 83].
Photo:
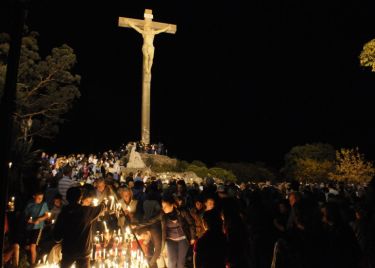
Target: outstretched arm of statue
[163, 30]
[135, 27]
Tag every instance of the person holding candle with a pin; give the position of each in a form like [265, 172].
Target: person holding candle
[35, 213]
[102, 190]
[128, 206]
[74, 228]
[57, 206]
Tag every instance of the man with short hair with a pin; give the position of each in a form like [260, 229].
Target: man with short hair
[74, 228]
[66, 182]
[35, 214]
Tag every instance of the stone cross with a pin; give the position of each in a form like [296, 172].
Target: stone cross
[148, 29]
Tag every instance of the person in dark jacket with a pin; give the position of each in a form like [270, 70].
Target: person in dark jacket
[178, 232]
[74, 228]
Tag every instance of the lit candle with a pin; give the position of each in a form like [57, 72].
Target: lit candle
[112, 202]
[49, 214]
[53, 221]
[95, 202]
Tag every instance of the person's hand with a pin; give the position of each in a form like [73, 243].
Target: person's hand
[37, 221]
[192, 241]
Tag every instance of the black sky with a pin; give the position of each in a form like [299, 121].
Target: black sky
[240, 80]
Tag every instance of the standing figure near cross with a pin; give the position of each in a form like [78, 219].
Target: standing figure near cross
[148, 29]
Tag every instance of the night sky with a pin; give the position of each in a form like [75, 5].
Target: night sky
[240, 80]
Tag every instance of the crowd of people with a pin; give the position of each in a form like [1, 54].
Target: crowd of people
[155, 148]
[180, 224]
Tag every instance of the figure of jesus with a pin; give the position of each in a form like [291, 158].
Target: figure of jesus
[148, 39]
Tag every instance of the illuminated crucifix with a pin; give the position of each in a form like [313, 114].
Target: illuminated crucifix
[148, 29]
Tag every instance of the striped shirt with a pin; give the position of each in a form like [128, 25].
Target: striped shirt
[64, 184]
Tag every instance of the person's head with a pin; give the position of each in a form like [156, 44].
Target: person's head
[180, 200]
[168, 203]
[100, 185]
[57, 201]
[294, 197]
[126, 194]
[181, 186]
[198, 203]
[131, 184]
[38, 197]
[73, 195]
[242, 186]
[67, 171]
[209, 203]
[212, 221]
[222, 191]
[88, 194]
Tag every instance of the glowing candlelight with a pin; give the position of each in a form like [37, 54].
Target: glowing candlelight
[95, 202]
[112, 202]
[49, 214]
[105, 226]
[53, 221]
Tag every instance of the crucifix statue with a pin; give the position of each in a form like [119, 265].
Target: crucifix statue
[148, 29]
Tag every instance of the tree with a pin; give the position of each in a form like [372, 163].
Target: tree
[221, 173]
[312, 170]
[351, 166]
[46, 88]
[201, 172]
[367, 56]
[310, 161]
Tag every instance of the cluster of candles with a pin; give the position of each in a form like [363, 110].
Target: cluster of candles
[122, 252]
[112, 206]
[11, 204]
